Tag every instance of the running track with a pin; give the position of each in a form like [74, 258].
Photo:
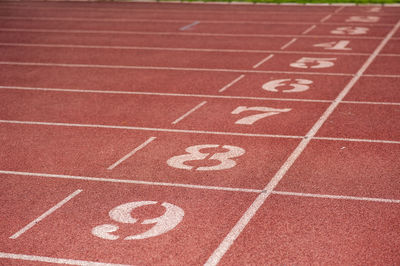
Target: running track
[186, 134]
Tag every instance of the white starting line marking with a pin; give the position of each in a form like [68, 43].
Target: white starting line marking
[141, 146]
[44, 215]
[263, 61]
[309, 29]
[269, 188]
[288, 44]
[231, 83]
[189, 112]
[189, 26]
[55, 260]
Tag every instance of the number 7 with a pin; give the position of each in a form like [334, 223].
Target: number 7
[249, 120]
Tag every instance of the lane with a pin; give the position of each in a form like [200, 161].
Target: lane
[375, 89]
[181, 59]
[238, 115]
[343, 168]
[331, 45]
[162, 15]
[146, 40]
[363, 121]
[388, 65]
[392, 47]
[131, 57]
[207, 7]
[76, 221]
[146, 25]
[88, 152]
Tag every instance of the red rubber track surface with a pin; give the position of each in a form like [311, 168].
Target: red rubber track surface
[189, 134]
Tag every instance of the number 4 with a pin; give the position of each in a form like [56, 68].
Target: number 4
[249, 120]
[340, 45]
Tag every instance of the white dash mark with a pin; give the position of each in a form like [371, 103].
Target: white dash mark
[325, 18]
[189, 112]
[141, 146]
[189, 26]
[289, 43]
[230, 84]
[263, 61]
[309, 29]
[339, 9]
[44, 215]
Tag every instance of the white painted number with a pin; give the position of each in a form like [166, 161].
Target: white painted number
[305, 62]
[339, 45]
[350, 30]
[122, 214]
[194, 154]
[298, 85]
[249, 120]
[364, 19]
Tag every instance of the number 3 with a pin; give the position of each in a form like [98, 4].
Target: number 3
[194, 154]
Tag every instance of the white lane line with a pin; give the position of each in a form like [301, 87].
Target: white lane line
[191, 25]
[358, 140]
[381, 75]
[325, 18]
[341, 197]
[189, 112]
[169, 68]
[263, 61]
[138, 148]
[231, 83]
[309, 29]
[241, 35]
[44, 215]
[261, 198]
[288, 43]
[150, 129]
[14, 256]
[373, 103]
[190, 95]
[154, 48]
[129, 181]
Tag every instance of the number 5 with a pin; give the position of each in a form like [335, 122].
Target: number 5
[316, 62]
